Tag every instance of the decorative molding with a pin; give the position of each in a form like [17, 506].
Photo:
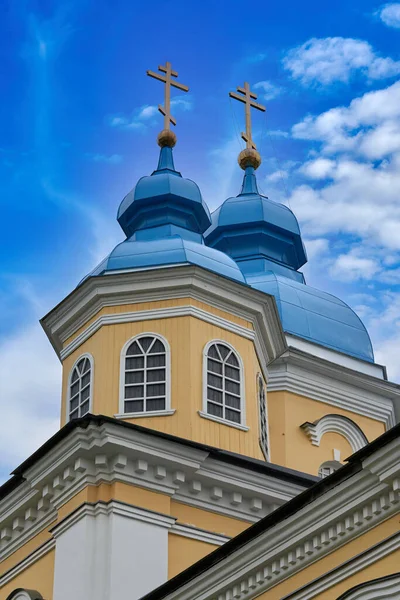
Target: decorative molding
[155, 314]
[335, 424]
[24, 595]
[385, 587]
[153, 413]
[306, 375]
[112, 453]
[28, 561]
[346, 570]
[201, 535]
[344, 512]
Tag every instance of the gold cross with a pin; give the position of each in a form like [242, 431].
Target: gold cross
[248, 98]
[166, 109]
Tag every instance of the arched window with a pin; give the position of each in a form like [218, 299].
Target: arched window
[223, 384]
[145, 375]
[263, 422]
[328, 467]
[24, 594]
[80, 387]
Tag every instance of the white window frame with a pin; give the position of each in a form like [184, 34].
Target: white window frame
[261, 382]
[90, 357]
[203, 413]
[329, 464]
[153, 413]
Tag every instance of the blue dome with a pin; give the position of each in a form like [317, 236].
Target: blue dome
[316, 316]
[164, 197]
[170, 251]
[251, 229]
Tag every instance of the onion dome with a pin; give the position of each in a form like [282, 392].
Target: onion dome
[257, 232]
[264, 238]
[164, 218]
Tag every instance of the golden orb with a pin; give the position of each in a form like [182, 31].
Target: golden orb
[166, 137]
[249, 158]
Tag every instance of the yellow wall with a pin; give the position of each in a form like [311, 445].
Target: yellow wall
[38, 576]
[183, 552]
[291, 447]
[187, 337]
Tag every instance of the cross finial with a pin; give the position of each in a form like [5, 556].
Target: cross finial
[166, 109]
[248, 97]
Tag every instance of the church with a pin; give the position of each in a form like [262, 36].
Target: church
[225, 432]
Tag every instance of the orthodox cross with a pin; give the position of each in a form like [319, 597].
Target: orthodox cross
[169, 73]
[248, 97]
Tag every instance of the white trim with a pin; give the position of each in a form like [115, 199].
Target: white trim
[346, 570]
[202, 535]
[152, 413]
[155, 314]
[376, 590]
[91, 360]
[205, 415]
[335, 424]
[25, 595]
[27, 561]
[267, 450]
[242, 387]
[125, 347]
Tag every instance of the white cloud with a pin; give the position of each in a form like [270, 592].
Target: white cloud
[147, 115]
[111, 159]
[352, 267]
[316, 248]
[327, 60]
[30, 386]
[269, 91]
[390, 14]
[320, 168]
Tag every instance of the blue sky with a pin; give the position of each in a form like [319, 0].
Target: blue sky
[78, 127]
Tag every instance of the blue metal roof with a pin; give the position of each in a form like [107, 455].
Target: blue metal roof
[251, 226]
[169, 251]
[316, 316]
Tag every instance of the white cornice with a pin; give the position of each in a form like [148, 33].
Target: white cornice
[201, 535]
[342, 513]
[110, 453]
[324, 381]
[161, 284]
[346, 570]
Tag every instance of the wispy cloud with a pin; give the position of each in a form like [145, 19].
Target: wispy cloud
[111, 159]
[145, 116]
[269, 90]
[321, 62]
[390, 14]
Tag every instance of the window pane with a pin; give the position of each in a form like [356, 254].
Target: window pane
[214, 380]
[223, 350]
[134, 363]
[232, 387]
[85, 379]
[157, 389]
[232, 401]
[75, 375]
[157, 347]
[74, 403]
[232, 372]
[214, 366]
[74, 389]
[80, 365]
[156, 375]
[134, 391]
[146, 342]
[156, 361]
[155, 404]
[214, 395]
[133, 349]
[85, 394]
[84, 408]
[134, 406]
[74, 414]
[214, 409]
[232, 360]
[134, 377]
[212, 352]
[232, 415]
[86, 366]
